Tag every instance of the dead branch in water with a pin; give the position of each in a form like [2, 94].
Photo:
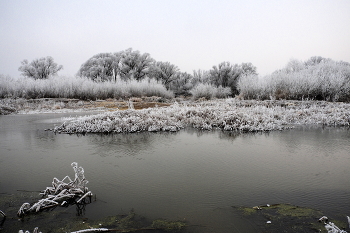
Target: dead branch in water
[62, 192]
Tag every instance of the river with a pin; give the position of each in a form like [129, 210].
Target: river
[191, 175]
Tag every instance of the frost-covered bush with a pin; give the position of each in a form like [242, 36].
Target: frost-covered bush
[203, 90]
[79, 88]
[327, 80]
[222, 92]
[209, 91]
[147, 87]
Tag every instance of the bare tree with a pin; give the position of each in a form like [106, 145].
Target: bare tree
[40, 68]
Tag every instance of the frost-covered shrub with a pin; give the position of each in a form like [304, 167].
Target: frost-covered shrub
[251, 87]
[79, 88]
[327, 80]
[208, 91]
[203, 90]
[147, 87]
[222, 92]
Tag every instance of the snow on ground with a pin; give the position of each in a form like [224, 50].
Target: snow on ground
[228, 114]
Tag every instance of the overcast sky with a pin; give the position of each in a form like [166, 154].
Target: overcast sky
[191, 34]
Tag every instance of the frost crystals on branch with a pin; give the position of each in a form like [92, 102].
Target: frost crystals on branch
[62, 192]
[331, 227]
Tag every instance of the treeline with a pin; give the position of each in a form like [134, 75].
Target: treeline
[129, 64]
[131, 73]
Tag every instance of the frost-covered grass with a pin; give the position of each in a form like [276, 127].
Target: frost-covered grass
[208, 91]
[79, 88]
[229, 114]
[35, 106]
[328, 81]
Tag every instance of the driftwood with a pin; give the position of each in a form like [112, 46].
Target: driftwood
[91, 230]
[3, 218]
[156, 225]
[115, 230]
[62, 193]
[2, 213]
[331, 227]
[36, 230]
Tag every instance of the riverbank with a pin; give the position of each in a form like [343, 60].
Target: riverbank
[158, 114]
[62, 105]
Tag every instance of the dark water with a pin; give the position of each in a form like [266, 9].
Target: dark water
[192, 175]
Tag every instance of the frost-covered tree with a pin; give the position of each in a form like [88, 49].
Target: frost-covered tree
[221, 74]
[225, 75]
[248, 68]
[134, 64]
[294, 65]
[101, 67]
[315, 60]
[201, 76]
[182, 83]
[41, 68]
[164, 72]
[127, 64]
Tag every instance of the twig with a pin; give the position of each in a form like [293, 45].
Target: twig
[3, 218]
[92, 230]
[85, 195]
[2, 213]
[116, 230]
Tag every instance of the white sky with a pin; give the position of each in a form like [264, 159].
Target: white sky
[191, 34]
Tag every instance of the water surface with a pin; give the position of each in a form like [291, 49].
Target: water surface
[190, 175]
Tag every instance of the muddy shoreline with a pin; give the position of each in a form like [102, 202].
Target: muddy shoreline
[59, 105]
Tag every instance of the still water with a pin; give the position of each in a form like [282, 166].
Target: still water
[189, 175]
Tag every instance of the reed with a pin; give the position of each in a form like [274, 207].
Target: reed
[79, 88]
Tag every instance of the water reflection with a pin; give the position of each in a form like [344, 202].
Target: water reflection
[81, 207]
[131, 144]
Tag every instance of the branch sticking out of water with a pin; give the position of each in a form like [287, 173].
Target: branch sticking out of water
[61, 193]
[331, 227]
[2, 213]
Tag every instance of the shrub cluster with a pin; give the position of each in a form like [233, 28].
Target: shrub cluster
[79, 88]
[229, 115]
[327, 80]
[209, 91]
